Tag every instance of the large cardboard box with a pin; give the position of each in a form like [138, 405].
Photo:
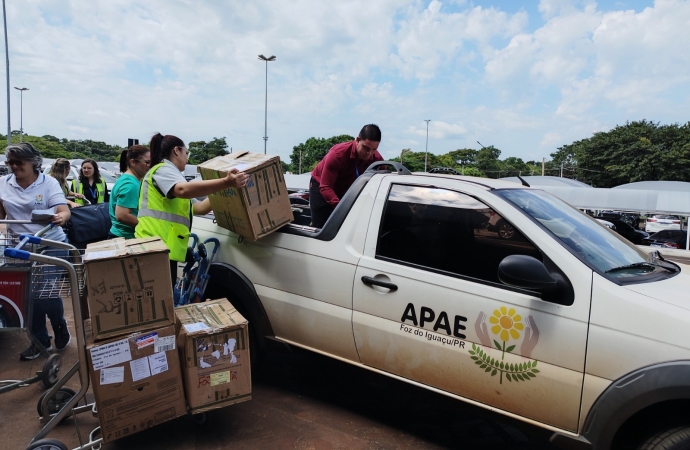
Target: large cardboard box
[137, 381]
[213, 340]
[128, 286]
[258, 209]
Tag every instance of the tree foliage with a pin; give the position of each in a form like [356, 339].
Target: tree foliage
[312, 151]
[637, 151]
[200, 151]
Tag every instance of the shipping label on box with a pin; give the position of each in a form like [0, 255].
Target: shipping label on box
[259, 208]
[128, 286]
[214, 348]
[137, 381]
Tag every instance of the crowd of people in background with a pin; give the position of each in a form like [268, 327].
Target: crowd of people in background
[151, 198]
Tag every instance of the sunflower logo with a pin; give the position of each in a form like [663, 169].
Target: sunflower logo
[506, 324]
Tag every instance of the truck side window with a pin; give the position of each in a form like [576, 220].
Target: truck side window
[443, 230]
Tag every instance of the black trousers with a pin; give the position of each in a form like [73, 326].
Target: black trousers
[320, 209]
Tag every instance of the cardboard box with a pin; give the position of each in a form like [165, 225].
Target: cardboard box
[137, 381]
[213, 340]
[258, 209]
[128, 286]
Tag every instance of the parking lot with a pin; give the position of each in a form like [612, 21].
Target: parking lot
[300, 401]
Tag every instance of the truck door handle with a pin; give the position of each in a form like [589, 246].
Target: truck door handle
[369, 281]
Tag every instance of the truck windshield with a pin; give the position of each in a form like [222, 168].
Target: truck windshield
[599, 247]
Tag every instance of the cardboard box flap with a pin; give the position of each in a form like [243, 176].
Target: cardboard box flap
[208, 317]
[242, 161]
[119, 248]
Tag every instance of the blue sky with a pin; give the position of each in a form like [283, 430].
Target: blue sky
[526, 77]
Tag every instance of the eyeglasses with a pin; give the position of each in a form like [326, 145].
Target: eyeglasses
[145, 161]
[14, 162]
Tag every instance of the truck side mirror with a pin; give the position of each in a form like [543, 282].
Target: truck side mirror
[525, 272]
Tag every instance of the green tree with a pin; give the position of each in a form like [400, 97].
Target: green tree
[636, 151]
[201, 151]
[487, 161]
[312, 151]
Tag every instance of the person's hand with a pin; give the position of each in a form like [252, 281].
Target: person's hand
[59, 220]
[71, 204]
[79, 196]
[236, 179]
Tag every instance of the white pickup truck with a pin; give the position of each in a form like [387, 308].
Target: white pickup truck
[489, 292]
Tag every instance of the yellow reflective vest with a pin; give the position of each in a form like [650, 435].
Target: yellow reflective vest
[169, 219]
[78, 188]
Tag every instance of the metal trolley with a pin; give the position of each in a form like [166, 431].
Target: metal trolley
[58, 269]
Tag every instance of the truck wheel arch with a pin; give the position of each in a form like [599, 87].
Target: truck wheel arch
[239, 290]
[624, 398]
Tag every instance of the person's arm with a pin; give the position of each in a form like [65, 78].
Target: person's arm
[200, 188]
[3, 214]
[124, 215]
[329, 175]
[202, 207]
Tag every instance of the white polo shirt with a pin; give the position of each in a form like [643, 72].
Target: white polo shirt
[44, 193]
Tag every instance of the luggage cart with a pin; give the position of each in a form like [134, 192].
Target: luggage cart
[62, 272]
[16, 307]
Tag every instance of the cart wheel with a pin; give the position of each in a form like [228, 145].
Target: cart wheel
[51, 371]
[200, 419]
[47, 444]
[56, 402]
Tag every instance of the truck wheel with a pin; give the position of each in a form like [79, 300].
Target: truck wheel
[674, 439]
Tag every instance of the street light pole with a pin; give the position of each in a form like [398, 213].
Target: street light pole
[21, 112]
[7, 62]
[263, 58]
[426, 152]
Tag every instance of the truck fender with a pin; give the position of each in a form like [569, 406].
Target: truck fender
[630, 394]
[227, 281]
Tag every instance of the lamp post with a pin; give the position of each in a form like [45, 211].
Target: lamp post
[21, 112]
[426, 152]
[7, 61]
[263, 58]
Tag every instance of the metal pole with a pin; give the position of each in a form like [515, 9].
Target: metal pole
[7, 61]
[263, 58]
[426, 152]
[300, 161]
[21, 115]
[266, 111]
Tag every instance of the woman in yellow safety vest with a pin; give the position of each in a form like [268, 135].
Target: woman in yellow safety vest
[89, 185]
[165, 198]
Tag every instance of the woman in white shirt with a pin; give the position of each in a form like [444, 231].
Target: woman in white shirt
[27, 189]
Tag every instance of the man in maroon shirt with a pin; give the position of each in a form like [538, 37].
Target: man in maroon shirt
[336, 172]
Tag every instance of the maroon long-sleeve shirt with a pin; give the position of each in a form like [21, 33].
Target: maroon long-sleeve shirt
[338, 170]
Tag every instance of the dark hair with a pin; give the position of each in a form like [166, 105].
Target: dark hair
[25, 152]
[370, 132]
[161, 147]
[96, 172]
[134, 152]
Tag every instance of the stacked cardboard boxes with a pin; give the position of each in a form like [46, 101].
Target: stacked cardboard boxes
[133, 360]
[213, 341]
[258, 209]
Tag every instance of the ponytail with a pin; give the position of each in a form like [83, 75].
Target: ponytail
[123, 161]
[161, 147]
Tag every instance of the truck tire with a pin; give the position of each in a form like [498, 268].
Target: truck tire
[674, 439]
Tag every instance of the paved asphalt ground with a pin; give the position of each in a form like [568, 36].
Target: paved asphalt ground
[300, 401]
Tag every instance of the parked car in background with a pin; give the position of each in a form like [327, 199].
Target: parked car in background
[627, 217]
[667, 239]
[659, 222]
[624, 229]
[607, 224]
